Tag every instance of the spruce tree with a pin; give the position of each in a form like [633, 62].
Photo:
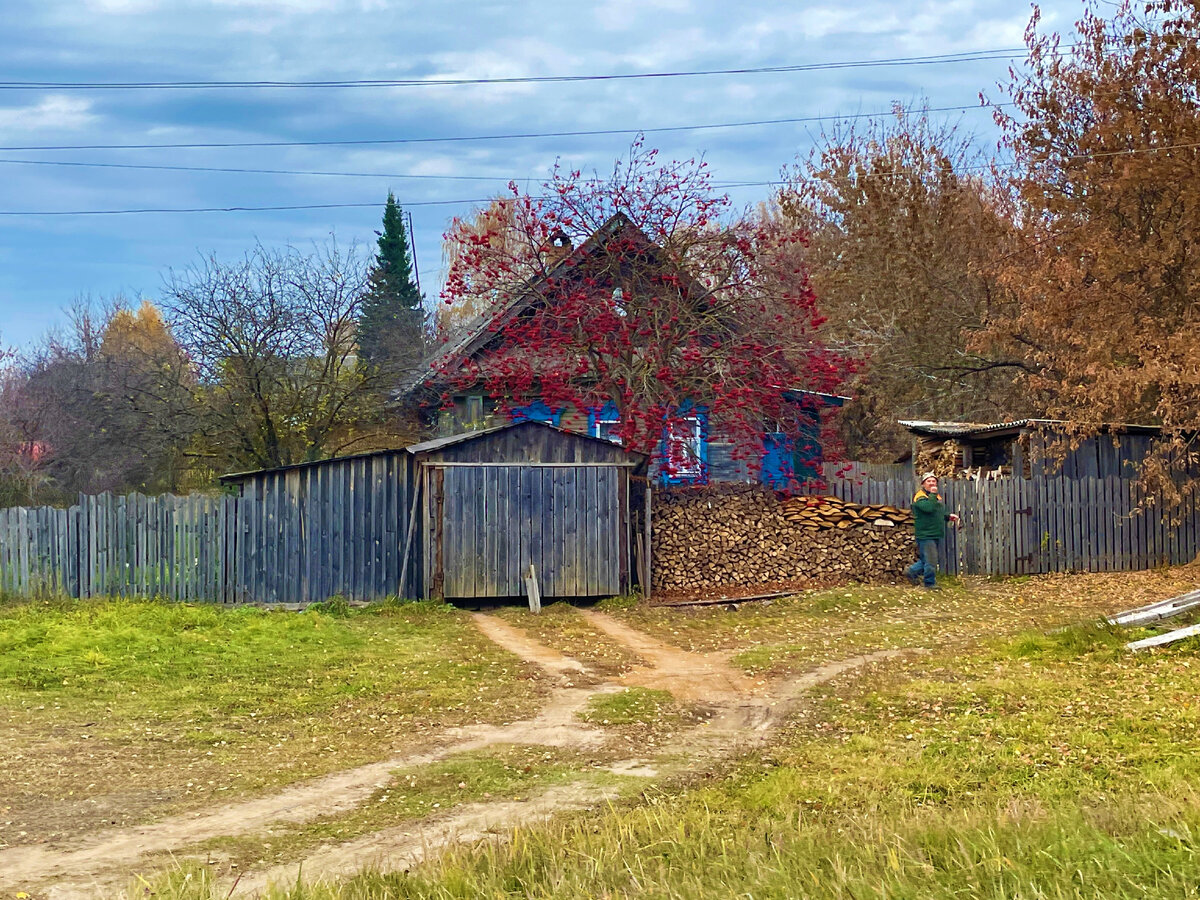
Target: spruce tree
[390, 324]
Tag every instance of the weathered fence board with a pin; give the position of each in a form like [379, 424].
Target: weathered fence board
[1017, 526]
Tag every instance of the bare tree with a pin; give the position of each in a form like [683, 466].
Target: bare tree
[271, 338]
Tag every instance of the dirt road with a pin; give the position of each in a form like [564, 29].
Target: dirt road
[743, 712]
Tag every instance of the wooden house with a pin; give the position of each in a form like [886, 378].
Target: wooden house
[698, 452]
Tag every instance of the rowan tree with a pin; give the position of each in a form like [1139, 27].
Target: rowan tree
[903, 224]
[1106, 142]
[643, 291]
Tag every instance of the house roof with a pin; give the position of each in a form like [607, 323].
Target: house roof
[999, 429]
[484, 329]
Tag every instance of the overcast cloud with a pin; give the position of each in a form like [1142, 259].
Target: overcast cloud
[46, 262]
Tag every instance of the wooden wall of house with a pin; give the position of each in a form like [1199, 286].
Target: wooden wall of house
[1104, 456]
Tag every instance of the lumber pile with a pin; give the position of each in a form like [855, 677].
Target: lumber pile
[745, 536]
[830, 512]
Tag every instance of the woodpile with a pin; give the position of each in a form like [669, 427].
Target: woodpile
[831, 512]
[942, 457]
[744, 537]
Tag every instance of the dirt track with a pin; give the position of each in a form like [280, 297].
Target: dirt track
[744, 712]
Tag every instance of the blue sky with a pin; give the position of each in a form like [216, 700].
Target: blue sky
[47, 262]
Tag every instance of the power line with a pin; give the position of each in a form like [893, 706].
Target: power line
[1102, 154]
[224, 209]
[933, 59]
[797, 120]
[249, 171]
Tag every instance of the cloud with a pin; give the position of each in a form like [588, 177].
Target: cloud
[53, 113]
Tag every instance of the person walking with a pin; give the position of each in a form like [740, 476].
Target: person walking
[929, 529]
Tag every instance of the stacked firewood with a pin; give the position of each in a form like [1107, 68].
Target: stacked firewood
[831, 512]
[707, 540]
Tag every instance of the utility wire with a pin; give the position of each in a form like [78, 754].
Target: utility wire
[238, 170]
[933, 59]
[481, 137]
[1102, 154]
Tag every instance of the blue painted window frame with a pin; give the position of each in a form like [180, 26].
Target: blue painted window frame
[536, 411]
[606, 413]
[700, 414]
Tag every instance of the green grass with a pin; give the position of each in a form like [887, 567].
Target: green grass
[1046, 764]
[152, 696]
[795, 634]
[633, 706]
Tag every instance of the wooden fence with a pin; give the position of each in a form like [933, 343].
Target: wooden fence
[300, 541]
[1022, 526]
[177, 547]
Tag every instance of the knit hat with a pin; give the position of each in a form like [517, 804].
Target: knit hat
[926, 477]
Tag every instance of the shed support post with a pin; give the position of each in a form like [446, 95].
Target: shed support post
[649, 555]
[412, 526]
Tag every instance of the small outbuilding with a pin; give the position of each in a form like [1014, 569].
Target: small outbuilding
[502, 503]
[461, 517]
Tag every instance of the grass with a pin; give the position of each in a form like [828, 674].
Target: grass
[633, 706]
[1045, 763]
[177, 702]
[795, 634]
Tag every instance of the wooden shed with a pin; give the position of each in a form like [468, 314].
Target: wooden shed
[499, 501]
[457, 517]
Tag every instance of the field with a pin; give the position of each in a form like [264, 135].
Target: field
[988, 740]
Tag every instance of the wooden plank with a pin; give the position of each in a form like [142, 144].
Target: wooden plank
[512, 547]
[1168, 638]
[499, 524]
[649, 525]
[536, 516]
[452, 536]
[623, 553]
[612, 502]
[574, 556]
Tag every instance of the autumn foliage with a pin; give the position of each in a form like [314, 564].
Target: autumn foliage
[1106, 142]
[640, 290]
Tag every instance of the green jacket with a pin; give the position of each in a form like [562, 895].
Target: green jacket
[929, 516]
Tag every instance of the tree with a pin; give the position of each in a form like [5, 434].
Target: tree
[391, 320]
[668, 305]
[902, 227]
[495, 223]
[106, 405]
[1106, 142]
[271, 338]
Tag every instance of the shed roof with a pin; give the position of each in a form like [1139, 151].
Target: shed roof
[431, 446]
[999, 429]
[442, 443]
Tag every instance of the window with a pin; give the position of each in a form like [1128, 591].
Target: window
[604, 422]
[685, 448]
[474, 411]
[605, 427]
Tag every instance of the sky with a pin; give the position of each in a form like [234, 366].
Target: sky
[61, 180]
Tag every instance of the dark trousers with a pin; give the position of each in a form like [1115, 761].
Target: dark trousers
[928, 552]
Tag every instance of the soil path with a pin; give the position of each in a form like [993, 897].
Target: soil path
[687, 675]
[100, 864]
